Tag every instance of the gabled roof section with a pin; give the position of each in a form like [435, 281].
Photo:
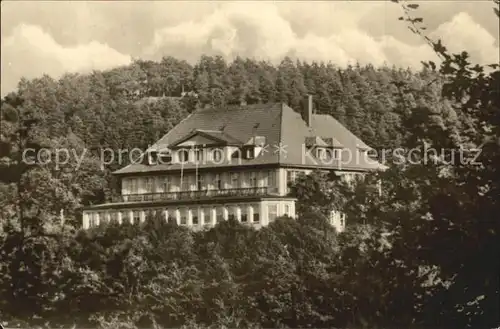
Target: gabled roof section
[314, 141]
[332, 142]
[257, 141]
[285, 133]
[295, 133]
[235, 122]
[322, 141]
[238, 122]
[222, 136]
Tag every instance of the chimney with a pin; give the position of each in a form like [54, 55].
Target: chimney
[307, 110]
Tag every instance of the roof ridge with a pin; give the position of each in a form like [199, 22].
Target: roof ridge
[235, 107]
[210, 130]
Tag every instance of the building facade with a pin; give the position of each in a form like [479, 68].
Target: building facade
[236, 163]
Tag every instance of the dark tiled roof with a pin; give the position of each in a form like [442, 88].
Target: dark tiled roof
[278, 123]
[218, 136]
[221, 135]
[294, 132]
[330, 141]
[322, 141]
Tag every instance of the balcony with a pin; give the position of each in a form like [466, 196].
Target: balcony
[196, 195]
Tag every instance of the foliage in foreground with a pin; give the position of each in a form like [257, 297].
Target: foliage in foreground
[294, 273]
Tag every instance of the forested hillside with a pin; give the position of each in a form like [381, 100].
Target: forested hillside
[424, 254]
[132, 106]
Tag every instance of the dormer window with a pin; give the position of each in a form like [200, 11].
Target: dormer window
[249, 152]
[198, 155]
[321, 153]
[259, 141]
[152, 158]
[337, 153]
[165, 158]
[183, 155]
[217, 155]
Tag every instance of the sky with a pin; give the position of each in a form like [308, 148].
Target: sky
[56, 37]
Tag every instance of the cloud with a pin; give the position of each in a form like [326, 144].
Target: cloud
[267, 31]
[59, 37]
[30, 52]
[463, 33]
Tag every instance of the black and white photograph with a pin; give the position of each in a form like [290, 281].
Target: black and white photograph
[250, 164]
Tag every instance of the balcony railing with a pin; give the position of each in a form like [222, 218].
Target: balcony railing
[194, 195]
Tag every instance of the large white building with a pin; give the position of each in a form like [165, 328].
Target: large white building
[221, 163]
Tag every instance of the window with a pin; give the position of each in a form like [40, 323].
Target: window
[290, 179]
[218, 182]
[123, 216]
[114, 217]
[217, 155]
[199, 183]
[249, 153]
[253, 179]
[195, 217]
[125, 186]
[319, 153]
[183, 218]
[166, 185]
[219, 215]
[133, 186]
[244, 217]
[243, 181]
[191, 179]
[165, 158]
[136, 215]
[183, 155]
[102, 217]
[231, 216]
[94, 221]
[149, 185]
[337, 153]
[152, 157]
[287, 210]
[256, 218]
[235, 180]
[265, 179]
[292, 176]
[198, 155]
[185, 184]
[272, 212]
[271, 178]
